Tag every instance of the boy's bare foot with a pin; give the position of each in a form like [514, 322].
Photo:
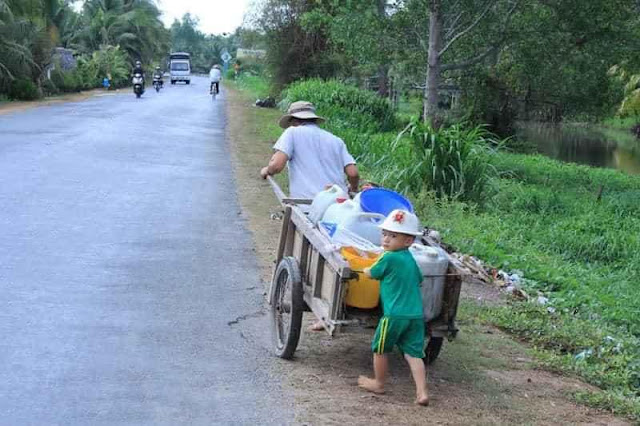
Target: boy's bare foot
[317, 326]
[370, 385]
[422, 400]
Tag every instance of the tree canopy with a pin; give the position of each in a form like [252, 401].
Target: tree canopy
[498, 59]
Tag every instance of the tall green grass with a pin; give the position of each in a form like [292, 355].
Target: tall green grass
[255, 85]
[454, 162]
[574, 232]
[625, 123]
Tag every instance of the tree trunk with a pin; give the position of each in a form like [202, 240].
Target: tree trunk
[383, 87]
[430, 101]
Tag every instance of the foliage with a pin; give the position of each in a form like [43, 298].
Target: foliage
[49, 88]
[205, 50]
[91, 69]
[454, 162]
[24, 90]
[108, 61]
[344, 105]
[256, 86]
[16, 35]
[135, 26]
[297, 40]
[630, 105]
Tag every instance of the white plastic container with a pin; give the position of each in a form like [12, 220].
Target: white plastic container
[433, 263]
[365, 225]
[339, 212]
[323, 200]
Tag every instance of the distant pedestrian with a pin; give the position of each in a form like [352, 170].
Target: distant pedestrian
[106, 83]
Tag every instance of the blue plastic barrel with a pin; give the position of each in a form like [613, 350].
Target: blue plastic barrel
[383, 201]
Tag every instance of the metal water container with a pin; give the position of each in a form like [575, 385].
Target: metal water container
[433, 263]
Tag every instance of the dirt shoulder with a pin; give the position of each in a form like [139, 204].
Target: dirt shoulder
[8, 107]
[483, 377]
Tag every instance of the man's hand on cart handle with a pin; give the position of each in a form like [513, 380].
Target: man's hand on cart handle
[276, 164]
[264, 172]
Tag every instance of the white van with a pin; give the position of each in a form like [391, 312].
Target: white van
[180, 67]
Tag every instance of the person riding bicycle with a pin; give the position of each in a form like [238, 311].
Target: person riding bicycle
[215, 75]
[157, 75]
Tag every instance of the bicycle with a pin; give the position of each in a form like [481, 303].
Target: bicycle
[214, 89]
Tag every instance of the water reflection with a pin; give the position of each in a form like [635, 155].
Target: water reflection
[584, 145]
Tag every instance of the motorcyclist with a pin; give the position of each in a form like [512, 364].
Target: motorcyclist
[157, 75]
[138, 70]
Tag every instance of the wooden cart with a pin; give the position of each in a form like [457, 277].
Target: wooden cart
[311, 275]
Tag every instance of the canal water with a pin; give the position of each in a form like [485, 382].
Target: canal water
[584, 144]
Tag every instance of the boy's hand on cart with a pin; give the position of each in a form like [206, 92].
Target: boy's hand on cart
[367, 272]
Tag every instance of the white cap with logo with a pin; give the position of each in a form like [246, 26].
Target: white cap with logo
[402, 222]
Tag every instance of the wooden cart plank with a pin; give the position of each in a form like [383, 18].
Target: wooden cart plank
[317, 240]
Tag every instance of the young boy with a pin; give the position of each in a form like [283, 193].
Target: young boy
[402, 323]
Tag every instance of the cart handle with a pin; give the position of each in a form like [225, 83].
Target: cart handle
[280, 195]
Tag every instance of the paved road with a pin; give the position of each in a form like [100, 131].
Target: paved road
[126, 271]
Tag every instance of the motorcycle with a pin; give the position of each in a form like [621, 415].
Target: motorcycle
[138, 82]
[157, 83]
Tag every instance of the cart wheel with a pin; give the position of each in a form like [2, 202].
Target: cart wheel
[287, 306]
[432, 350]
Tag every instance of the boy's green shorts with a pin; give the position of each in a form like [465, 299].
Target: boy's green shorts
[407, 334]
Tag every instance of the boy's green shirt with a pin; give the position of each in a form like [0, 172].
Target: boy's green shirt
[400, 279]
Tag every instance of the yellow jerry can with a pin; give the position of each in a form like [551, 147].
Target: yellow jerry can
[362, 292]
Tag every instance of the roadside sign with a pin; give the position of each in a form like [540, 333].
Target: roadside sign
[225, 56]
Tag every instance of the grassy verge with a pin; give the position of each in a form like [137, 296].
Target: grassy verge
[621, 123]
[572, 231]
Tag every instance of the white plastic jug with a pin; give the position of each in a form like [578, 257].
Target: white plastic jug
[323, 200]
[366, 225]
[340, 211]
[433, 263]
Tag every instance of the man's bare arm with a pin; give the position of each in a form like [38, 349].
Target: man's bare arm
[276, 164]
[353, 177]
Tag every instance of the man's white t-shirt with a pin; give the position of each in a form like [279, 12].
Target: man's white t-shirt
[215, 74]
[316, 158]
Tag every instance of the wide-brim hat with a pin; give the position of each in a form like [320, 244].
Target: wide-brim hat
[301, 110]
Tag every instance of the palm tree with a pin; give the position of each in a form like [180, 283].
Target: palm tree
[134, 25]
[16, 35]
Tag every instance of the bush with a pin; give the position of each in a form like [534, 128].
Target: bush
[71, 82]
[24, 90]
[454, 162]
[49, 88]
[346, 106]
[92, 69]
[57, 78]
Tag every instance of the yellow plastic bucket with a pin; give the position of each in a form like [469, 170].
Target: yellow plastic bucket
[362, 292]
